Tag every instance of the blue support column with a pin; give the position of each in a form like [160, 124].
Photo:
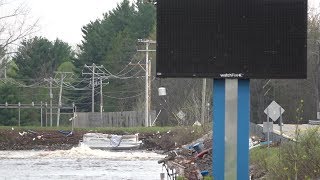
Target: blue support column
[243, 129]
[218, 128]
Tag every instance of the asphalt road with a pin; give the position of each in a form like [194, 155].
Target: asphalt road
[289, 129]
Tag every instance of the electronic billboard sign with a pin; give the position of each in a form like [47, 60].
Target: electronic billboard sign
[256, 39]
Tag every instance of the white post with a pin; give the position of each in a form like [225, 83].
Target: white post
[92, 99]
[203, 100]
[60, 103]
[41, 119]
[147, 87]
[51, 97]
[46, 114]
[101, 99]
[148, 82]
[74, 116]
[19, 114]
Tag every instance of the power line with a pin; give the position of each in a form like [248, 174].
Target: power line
[129, 97]
[95, 70]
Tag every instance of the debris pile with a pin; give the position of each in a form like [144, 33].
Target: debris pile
[192, 161]
[41, 139]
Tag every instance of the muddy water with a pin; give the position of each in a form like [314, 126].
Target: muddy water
[79, 163]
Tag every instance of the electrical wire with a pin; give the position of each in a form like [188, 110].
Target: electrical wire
[129, 97]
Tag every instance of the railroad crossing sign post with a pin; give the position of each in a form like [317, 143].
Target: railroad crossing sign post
[273, 111]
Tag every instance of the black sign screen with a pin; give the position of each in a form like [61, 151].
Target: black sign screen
[232, 38]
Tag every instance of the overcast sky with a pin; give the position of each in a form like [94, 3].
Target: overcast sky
[63, 19]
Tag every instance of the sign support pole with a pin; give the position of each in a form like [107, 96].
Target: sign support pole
[231, 114]
[218, 128]
[243, 129]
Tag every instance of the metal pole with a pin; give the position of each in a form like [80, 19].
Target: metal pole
[218, 144]
[51, 97]
[203, 101]
[93, 71]
[147, 87]
[243, 129]
[231, 117]
[231, 124]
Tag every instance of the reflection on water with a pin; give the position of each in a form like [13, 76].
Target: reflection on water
[79, 163]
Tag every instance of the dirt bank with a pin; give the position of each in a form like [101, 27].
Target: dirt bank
[44, 139]
[62, 140]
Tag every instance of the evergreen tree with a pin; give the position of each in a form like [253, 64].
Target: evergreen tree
[38, 58]
[112, 42]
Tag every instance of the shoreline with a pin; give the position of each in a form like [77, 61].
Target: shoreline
[57, 140]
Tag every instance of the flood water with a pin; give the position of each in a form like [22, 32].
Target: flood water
[80, 163]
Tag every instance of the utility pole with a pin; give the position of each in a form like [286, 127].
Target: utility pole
[148, 80]
[93, 73]
[51, 97]
[50, 80]
[92, 85]
[203, 100]
[46, 114]
[59, 103]
[63, 76]
[149, 87]
[74, 116]
[41, 123]
[101, 98]
[19, 104]
[101, 95]
[317, 78]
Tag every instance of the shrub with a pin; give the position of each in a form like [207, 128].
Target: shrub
[298, 159]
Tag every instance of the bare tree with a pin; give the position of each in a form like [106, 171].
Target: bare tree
[15, 24]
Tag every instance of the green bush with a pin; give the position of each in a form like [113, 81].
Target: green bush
[299, 159]
[292, 160]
